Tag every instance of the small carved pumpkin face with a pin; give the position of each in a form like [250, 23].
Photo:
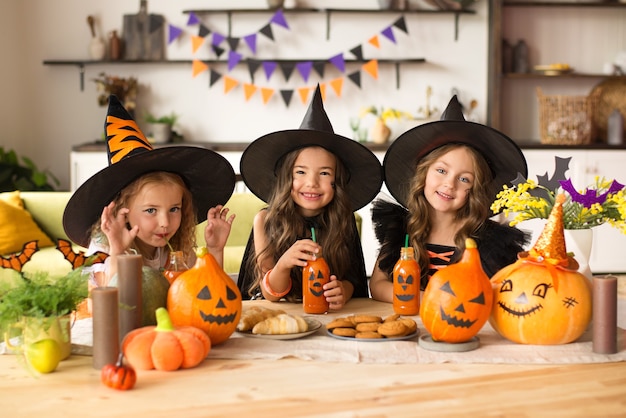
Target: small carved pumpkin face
[316, 283]
[538, 305]
[405, 290]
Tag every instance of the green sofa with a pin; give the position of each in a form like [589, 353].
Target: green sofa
[47, 208]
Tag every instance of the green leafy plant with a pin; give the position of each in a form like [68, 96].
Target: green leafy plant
[39, 295]
[170, 119]
[20, 173]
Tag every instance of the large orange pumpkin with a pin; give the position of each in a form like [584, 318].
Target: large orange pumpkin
[205, 297]
[541, 298]
[457, 300]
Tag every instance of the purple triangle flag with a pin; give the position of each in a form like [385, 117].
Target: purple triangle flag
[338, 62]
[250, 40]
[218, 38]
[269, 67]
[279, 19]
[173, 33]
[304, 68]
[193, 19]
[388, 33]
[233, 59]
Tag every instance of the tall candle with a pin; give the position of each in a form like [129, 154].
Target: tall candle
[105, 326]
[129, 284]
[604, 337]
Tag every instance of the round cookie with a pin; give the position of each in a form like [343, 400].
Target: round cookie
[340, 323]
[369, 335]
[344, 332]
[367, 326]
[392, 317]
[367, 318]
[410, 324]
[392, 329]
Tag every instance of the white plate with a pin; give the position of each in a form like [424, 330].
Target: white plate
[377, 340]
[314, 325]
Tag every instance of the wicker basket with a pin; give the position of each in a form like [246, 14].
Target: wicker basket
[565, 120]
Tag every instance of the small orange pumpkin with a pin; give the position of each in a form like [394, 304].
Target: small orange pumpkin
[118, 375]
[207, 298]
[542, 299]
[457, 299]
[165, 347]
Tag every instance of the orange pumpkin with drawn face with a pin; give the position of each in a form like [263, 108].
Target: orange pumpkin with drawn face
[457, 300]
[207, 298]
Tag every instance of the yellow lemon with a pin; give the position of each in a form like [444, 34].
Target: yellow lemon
[43, 355]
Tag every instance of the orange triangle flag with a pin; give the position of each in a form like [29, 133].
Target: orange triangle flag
[304, 94]
[374, 41]
[196, 43]
[249, 90]
[229, 84]
[266, 94]
[198, 67]
[371, 67]
[337, 84]
[323, 91]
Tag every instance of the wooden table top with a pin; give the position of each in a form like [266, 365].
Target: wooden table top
[294, 387]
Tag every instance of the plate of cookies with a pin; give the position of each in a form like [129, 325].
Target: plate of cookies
[373, 328]
[275, 324]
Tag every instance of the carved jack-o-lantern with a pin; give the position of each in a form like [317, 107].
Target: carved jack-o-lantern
[542, 298]
[207, 298]
[457, 300]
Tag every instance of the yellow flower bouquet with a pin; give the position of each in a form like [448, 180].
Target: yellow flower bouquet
[603, 202]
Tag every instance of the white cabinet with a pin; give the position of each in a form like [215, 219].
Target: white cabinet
[83, 165]
[608, 253]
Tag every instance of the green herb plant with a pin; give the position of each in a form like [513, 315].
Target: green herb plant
[22, 174]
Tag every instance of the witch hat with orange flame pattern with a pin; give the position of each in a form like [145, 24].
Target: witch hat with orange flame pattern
[550, 246]
[208, 175]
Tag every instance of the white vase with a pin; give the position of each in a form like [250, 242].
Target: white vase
[578, 242]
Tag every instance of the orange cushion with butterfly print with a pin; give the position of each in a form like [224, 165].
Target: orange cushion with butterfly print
[17, 227]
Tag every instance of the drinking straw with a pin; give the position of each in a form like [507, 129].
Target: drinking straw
[406, 240]
[313, 234]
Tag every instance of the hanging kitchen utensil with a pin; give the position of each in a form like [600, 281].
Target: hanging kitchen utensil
[144, 37]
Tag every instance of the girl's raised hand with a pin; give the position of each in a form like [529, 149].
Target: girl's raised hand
[114, 227]
[218, 227]
[299, 253]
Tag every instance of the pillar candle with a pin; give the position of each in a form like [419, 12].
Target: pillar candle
[105, 326]
[129, 284]
[604, 315]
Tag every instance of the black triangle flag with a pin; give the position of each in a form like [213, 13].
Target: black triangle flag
[218, 50]
[253, 65]
[267, 31]
[286, 95]
[214, 77]
[355, 77]
[401, 24]
[203, 31]
[357, 51]
[233, 43]
[318, 67]
[287, 69]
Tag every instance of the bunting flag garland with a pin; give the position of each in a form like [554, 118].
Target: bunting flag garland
[249, 90]
[173, 33]
[198, 67]
[193, 19]
[287, 67]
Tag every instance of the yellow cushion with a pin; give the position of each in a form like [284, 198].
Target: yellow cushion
[17, 227]
[12, 198]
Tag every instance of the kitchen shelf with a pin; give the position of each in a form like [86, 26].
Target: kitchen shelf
[594, 4]
[329, 12]
[81, 64]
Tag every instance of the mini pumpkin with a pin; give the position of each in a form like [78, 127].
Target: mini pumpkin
[164, 346]
[542, 299]
[457, 299]
[118, 375]
[207, 298]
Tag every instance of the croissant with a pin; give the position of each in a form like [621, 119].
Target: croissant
[255, 314]
[281, 324]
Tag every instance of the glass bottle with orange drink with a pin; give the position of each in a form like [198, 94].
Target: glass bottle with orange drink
[175, 266]
[406, 282]
[315, 275]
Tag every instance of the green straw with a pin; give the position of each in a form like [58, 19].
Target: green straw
[406, 240]
[313, 234]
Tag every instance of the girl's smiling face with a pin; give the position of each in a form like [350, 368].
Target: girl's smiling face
[449, 181]
[313, 180]
[156, 209]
